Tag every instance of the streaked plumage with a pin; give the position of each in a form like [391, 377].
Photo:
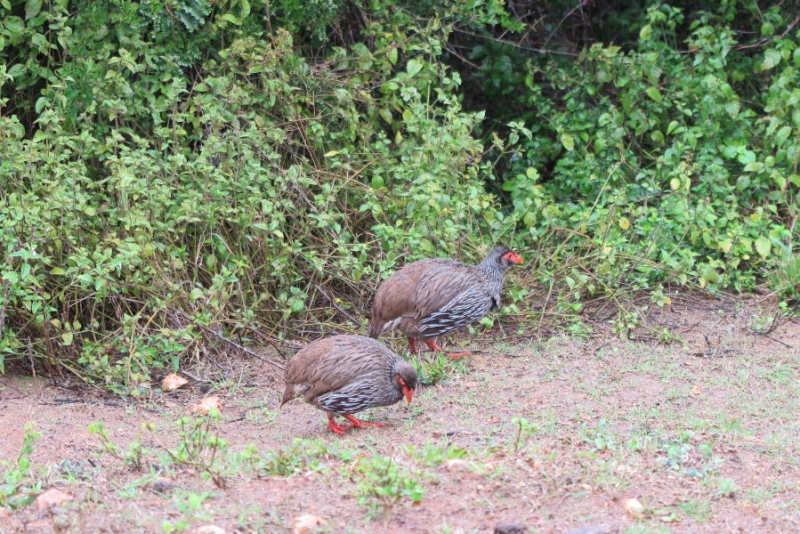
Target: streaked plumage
[346, 374]
[431, 297]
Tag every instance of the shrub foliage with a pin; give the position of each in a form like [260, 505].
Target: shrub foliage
[258, 169]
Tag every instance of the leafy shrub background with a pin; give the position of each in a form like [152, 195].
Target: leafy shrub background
[246, 168]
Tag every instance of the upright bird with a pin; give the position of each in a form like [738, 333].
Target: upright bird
[431, 297]
[345, 374]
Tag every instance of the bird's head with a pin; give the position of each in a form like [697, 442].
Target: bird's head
[511, 257]
[505, 256]
[406, 378]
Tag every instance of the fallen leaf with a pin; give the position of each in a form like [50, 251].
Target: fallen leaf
[207, 404]
[303, 524]
[454, 463]
[634, 508]
[210, 529]
[172, 382]
[52, 497]
[4, 514]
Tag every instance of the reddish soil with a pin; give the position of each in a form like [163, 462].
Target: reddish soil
[703, 432]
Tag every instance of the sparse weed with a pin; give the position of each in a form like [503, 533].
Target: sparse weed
[190, 505]
[438, 368]
[525, 430]
[197, 447]
[133, 457]
[695, 460]
[302, 455]
[602, 437]
[17, 488]
[625, 323]
[725, 487]
[432, 455]
[698, 510]
[384, 484]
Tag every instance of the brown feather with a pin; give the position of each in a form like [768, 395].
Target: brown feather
[433, 296]
[346, 371]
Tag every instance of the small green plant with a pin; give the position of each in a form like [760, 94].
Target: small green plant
[302, 455]
[384, 484]
[16, 489]
[625, 323]
[725, 487]
[133, 457]
[432, 455]
[785, 278]
[525, 430]
[199, 448]
[190, 506]
[438, 368]
[602, 437]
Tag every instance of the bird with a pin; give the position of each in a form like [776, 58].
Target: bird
[345, 374]
[434, 296]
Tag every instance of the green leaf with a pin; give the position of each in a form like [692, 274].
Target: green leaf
[568, 141]
[657, 137]
[655, 94]
[645, 32]
[32, 8]
[763, 246]
[386, 114]
[389, 87]
[672, 126]
[754, 166]
[14, 28]
[732, 108]
[782, 135]
[245, 5]
[232, 19]
[413, 67]
[67, 338]
[747, 156]
[771, 59]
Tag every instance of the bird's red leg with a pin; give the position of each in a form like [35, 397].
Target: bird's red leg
[436, 348]
[413, 345]
[336, 428]
[358, 423]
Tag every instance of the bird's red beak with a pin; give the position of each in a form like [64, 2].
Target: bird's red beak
[406, 390]
[513, 257]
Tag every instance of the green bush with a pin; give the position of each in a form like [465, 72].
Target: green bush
[220, 164]
[667, 166]
[242, 195]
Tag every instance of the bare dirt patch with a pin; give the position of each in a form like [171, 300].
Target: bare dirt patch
[554, 435]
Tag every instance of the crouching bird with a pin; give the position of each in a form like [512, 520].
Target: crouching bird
[434, 296]
[346, 374]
